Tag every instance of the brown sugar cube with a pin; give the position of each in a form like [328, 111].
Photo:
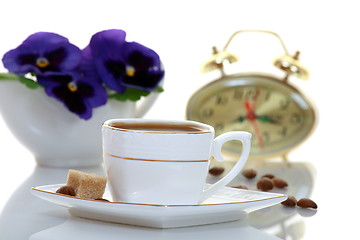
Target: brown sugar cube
[86, 185]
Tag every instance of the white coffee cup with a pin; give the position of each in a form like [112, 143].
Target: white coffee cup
[164, 162]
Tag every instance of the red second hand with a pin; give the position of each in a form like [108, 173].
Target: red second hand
[251, 117]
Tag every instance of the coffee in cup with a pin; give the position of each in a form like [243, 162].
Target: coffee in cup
[164, 162]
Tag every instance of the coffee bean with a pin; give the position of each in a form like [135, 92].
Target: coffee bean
[216, 171]
[265, 184]
[241, 187]
[269, 175]
[290, 202]
[307, 203]
[279, 182]
[102, 200]
[249, 173]
[66, 190]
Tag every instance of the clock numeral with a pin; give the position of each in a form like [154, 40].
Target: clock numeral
[283, 131]
[266, 136]
[238, 94]
[276, 118]
[284, 103]
[221, 100]
[251, 94]
[295, 118]
[219, 126]
[267, 96]
[208, 112]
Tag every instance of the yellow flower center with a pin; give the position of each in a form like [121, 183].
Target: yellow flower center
[72, 86]
[42, 62]
[130, 71]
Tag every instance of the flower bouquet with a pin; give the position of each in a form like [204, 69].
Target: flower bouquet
[109, 67]
[72, 92]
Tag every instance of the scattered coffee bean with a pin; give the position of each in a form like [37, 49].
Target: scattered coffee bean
[269, 175]
[290, 202]
[66, 190]
[307, 203]
[279, 182]
[216, 171]
[241, 187]
[249, 173]
[102, 200]
[265, 184]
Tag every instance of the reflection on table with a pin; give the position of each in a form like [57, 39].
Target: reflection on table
[79, 228]
[28, 217]
[279, 220]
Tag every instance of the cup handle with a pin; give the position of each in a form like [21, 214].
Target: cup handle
[244, 137]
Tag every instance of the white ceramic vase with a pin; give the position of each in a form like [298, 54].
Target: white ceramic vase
[57, 137]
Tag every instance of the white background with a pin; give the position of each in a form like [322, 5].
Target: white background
[183, 32]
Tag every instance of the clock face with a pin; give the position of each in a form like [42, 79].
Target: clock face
[278, 116]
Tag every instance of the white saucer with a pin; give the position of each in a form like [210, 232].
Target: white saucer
[228, 204]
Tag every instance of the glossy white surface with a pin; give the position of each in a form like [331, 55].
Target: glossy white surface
[228, 204]
[54, 135]
[92, 230]
[41, 219]
[165, 167]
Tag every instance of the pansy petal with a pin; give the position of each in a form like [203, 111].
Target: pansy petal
[64, 58]
[87, 66]
[79, 95]
[112, 73]
[106, 53]
[94, 94]
[50, 80]
[36, 40]
[107, 42]
[148, 71]
[73, 102]
[144, 80]
[54, 50]
[141, 56]
[19, 64]
[60, 92]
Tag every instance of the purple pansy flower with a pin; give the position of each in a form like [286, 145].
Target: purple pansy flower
[122, 64]
[143, 69]
[79, 78]
[79, 94]
[41, 53]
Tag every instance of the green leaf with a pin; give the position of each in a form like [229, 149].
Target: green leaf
[159, 90]
[30, 83]
[133, 94]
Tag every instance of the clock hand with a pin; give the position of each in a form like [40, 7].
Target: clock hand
[251, 116]
[266, 119]
[240, 119]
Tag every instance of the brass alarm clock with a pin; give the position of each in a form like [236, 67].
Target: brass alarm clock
[278, 115]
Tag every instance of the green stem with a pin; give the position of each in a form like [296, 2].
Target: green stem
[30, 83]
